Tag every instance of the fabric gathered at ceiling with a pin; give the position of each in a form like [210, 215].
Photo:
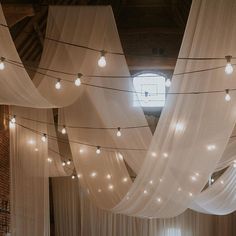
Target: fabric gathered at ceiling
[16, 87]
[188, 131]
[29, 175]
[193, 130]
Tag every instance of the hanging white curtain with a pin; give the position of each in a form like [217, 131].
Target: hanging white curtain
[69, 202]
[66, 206]
[29, 175]
[16, 87]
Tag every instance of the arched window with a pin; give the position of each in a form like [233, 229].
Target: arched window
[151, 90]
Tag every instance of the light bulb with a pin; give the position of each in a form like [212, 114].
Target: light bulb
[63, 163]
[13, 119]
[118, 134]
[63, 131]
[44, 138]
[49, 159]
[58, 84]
[2, 65]
[98, 151]
[228, 68]
[68, 162]
[168, 83]
[73, 176]
[227, 96]
[102, 60]
[78, 81]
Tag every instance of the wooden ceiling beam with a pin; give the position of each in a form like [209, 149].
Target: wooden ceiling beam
[17, 12]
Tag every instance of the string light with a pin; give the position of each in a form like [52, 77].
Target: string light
[36, 149]
[2, 65]
[227, 96]
[63, 131]
[68, 162]
[211, 147]
[49, 160]
[102, 60]
[125, 179]
[222, 181]
[228, 68]
[93, 174]
[110, 186]
[165, 154]
[44, 138]
[168, 83]
[159, 199]
[13, 119]
[73, 176]
[108, 176]
[78, 80]
[79, 176]
[12, 122]
[63, 163]
[58, 84]
[98, 151]
[118, 134]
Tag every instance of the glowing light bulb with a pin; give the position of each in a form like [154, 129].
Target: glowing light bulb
[102, 60]
[110, 186]
[68, 162]
[165, 154]
[125, 179]
[228, 68]
[58, 84]
[73, 176]
[93, 174]
[159, 199]
[13, 119]
[98, 151]
[78, 80]
[44, 138]
[118, 134]
[63, 163]
[2, 65]
[63, 131]
[227, 96]
[168, 83]
[49, 160]
[108, 176]
[212, 180]
[79, 176]
[36, 149]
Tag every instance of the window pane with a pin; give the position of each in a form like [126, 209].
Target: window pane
[150, 90]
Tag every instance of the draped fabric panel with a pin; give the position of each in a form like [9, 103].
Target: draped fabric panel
[97, 222]
[188, 130]
[16, 87]
[29, 175]
[66, 206]
[55, 159]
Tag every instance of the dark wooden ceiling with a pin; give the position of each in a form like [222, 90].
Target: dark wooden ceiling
[149, 27]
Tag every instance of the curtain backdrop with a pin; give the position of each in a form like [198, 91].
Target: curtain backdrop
[96, 222]
[29, 175]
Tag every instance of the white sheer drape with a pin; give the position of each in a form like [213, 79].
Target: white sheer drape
[66, 206]
[16, 87]
[29, 176]
[96, 222]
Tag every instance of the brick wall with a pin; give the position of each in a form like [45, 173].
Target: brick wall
[4, 177]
